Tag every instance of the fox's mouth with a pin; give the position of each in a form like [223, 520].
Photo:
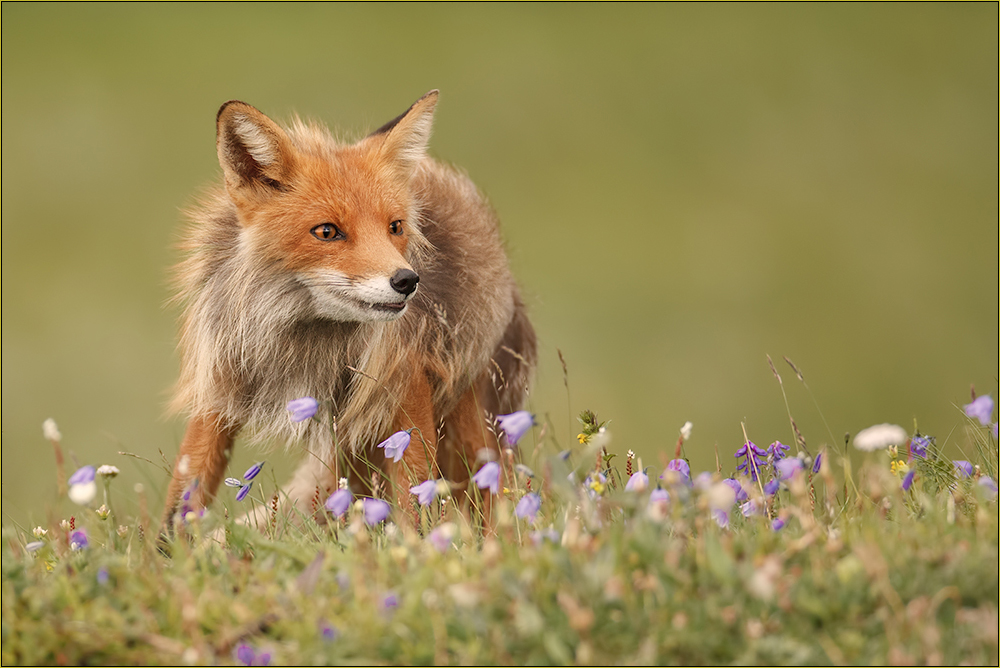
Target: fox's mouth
[387, 307]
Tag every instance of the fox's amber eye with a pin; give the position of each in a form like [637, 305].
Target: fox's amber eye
[396, 227]
[327, 232]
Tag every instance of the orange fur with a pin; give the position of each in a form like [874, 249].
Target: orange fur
[300, 280]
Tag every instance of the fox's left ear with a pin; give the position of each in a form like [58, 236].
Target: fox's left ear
[404, 138]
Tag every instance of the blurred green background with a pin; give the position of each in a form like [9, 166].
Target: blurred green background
[683, 189]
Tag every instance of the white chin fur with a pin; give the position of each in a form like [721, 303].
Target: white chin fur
[339, 298]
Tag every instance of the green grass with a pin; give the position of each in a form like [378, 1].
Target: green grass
[863, 573]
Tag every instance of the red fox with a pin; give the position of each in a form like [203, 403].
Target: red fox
[366, 275]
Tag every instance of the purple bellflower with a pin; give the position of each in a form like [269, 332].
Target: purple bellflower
[981, 409]
[302, 409]
[527, 507]
[376, 510]
[425, 492]
[963, 469]
[488, 476]
[339, 502]
[515, 425]
[396, 445]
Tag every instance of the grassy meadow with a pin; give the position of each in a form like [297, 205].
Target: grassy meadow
[620, 561]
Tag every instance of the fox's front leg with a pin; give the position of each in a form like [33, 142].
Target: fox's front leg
[200, 466]
[419, 461]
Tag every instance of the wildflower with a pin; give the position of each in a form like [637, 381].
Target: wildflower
[527, 507]
[738, 491]
[328, 631]
[83, 475]
[682, 468]
[777, 450]
[702, 481]
[108, 471]
[771, 487]
[232, 482]
[582, 438]
[103, 511]
[122, 530]
[425, 491]
[39, 532]
[990, 485]
[302, 409]
[515, 425]
[963, 469]
[981, 409]
[396, 445]
[78, 540]
[390, 602]
[102, 576]
[750, 508]
[777, 524]
[879, 437]
[899, 467]
[245, 654]
[488, 476]
[595, 483]
[442, 536]
[244, 490]
[34, 545]
[817, 463]
[787, 468]
[721, 517]
[659, 496]
[376, 510]
[339, 502]
[51, 431]
[686, 430]
[638, 482]
[908, 480]
[253, 471]
[755, 459]
[918, 446]
[82, 487]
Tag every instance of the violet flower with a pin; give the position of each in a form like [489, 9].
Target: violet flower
[741, 494]
[787, 468]
[908, 479]
[682, 468]
[527, 508]
[339, 502]
[963, 469]
[396, 445]
[425, 492]
[777, 524]
[488, 476]
[990, 485]
[817, 463]
[78, 539]
[918, 447]
[756, 459]
[302, 409]
[515, 425]
[777, 451]
[442, 536]
[638, 482]
[244, 490]
[376, 510]
[771, 487]
[253, 471]
[981, 409]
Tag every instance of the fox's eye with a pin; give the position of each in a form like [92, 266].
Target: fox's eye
[327, 232]
[396, 227]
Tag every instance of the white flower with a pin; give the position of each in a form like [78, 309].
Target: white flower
[107, 471]
[39, 532]
[342, 484]
[83, 493]
[880, 437]
[51, 431]
[686, 430]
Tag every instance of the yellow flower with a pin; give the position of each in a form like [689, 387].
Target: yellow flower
[582, 438]
[899, 468]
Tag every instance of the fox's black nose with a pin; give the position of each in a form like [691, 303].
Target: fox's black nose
[404, 281]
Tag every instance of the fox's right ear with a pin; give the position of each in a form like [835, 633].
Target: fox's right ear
[256, 155]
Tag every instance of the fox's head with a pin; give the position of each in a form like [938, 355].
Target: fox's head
[337, 218]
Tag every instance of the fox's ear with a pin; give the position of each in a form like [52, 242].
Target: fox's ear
[404, 138]
[254, 152]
